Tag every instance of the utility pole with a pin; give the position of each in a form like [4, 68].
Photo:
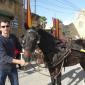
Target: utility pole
[35, 7]
[28, 18]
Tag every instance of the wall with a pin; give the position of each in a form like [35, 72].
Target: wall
[79, 23]
[16, 9]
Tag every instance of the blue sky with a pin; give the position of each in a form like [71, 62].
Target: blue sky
[62, 9]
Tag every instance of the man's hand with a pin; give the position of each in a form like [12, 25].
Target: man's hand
[22, 62]
[27, 63]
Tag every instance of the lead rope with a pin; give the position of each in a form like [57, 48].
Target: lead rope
[37, 70]
[57, 64]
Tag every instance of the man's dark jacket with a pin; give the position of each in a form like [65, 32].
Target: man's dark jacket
[7, 53]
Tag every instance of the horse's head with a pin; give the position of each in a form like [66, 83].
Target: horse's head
[31, 40]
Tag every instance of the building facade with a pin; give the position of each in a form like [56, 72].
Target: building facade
[76, 29]
[13, 8]
[79, 23]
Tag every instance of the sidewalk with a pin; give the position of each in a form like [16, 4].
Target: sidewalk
[73, 75]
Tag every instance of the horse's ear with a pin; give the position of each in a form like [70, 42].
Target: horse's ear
[26, 26]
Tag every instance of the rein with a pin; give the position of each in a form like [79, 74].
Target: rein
[62, 60]
[65, 55]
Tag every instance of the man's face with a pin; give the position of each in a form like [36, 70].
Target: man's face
[5, 29]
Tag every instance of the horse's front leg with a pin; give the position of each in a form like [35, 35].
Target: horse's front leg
[55, 76]
[58, 78]
[53, 80]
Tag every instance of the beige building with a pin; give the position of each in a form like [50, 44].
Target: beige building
[76, 29]
[70, 31]
[7, 7]
[79, 23]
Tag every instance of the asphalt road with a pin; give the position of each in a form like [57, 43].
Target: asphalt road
[73, 75]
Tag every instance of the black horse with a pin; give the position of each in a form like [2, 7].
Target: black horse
[56, 53]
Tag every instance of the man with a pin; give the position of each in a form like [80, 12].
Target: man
[8, 59]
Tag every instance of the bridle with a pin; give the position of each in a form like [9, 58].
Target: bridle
[37, 36]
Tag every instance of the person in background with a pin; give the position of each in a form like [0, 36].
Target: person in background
[8, 59]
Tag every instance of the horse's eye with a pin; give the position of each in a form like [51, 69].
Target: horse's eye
[23, 41]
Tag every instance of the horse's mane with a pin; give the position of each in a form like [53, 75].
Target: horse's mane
[47, 35]
[47, 41]
[80, 42]
[43, 33]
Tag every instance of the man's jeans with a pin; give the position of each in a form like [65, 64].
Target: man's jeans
[12, 75]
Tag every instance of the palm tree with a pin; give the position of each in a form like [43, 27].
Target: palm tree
[43, 21]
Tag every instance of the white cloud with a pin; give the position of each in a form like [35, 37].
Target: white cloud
[48, 26]
[67, 22]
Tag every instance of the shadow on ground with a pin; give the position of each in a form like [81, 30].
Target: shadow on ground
[76, 75]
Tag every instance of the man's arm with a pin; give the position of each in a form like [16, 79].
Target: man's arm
[4, 58]
[16, 61]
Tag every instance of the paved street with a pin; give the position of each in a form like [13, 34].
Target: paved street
[73, 75]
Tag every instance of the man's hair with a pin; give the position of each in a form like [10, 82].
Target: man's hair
[4, 20]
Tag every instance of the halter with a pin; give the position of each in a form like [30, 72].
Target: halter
[31, 30]
[38, 37]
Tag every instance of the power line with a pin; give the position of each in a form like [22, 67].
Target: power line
[35, 6]
[60, 4]
[68, 4]
[41, 4]
[51, 9]
[51, 4]
[71, 4]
